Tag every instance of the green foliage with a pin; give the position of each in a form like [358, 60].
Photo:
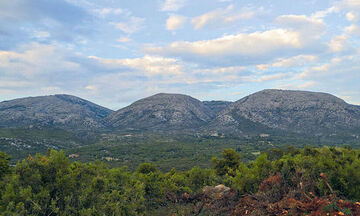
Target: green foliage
[52, 185]
[4, 164]
[331, 206]
[229, 163]
[182, 151]
[146, 168]
[154, 193]
[347, 211]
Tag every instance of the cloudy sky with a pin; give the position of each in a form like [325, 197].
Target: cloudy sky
[115, 52]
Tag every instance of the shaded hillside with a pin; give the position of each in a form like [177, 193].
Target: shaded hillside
[162, 112]
[217, 106]
[60, 111]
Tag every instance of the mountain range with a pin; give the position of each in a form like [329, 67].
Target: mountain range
[270, 110]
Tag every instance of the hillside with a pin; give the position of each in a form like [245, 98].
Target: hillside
[267, 111]
[55, 111]
[165, 112]
[303, 112]
[216, 106]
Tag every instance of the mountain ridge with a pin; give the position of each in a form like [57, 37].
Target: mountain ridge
[295, 111]
[303, 112]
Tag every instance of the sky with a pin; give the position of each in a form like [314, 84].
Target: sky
[116, 52]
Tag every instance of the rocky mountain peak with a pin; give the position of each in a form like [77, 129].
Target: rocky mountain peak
[296, 111]
[63, 111]
[162, 111]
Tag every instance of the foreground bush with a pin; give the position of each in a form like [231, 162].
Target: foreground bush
[52, 185]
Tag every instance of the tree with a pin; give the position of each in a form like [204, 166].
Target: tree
[4, 164]
[229, 163]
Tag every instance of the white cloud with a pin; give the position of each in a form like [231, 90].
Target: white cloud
[348, 5]
[148, 65]
[134, 24]
[40, 69]
[353, 30]
[35, 59]
[41, 34]
[14, 84]
[50, 89]
[338, 75]
[339, 43]
[167, 72]
[352, 5]
[344, 67]
[264, 78]
[106, 11]
[90, 87]
[323, 13]
[221, 17]
[352, 16]
[301, 34]
[124, 39]
[297, 86]
[311, 28]
[221, 70]
[294, 61]
[173, 5]
[175, 22]
[235, 49]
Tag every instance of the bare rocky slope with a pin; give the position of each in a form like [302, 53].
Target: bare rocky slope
[295, 111]
[58, 111]
[163, 112]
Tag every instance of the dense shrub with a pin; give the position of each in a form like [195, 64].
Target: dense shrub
[51, 185]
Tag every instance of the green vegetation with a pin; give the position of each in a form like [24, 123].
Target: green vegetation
[52, 185]
[4, 164]
[184, 151]
[20, 142]
[180, 151]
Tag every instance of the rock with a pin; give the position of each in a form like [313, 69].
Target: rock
[216, 192]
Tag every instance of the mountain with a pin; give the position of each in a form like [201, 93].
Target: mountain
[267, 111]
[173, 127]
[294, 111]
[217, 106]
[55, 111]
[163, 112]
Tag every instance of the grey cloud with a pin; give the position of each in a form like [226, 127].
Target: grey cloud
[64, 21]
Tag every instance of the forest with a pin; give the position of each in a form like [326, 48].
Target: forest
[295, 181]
